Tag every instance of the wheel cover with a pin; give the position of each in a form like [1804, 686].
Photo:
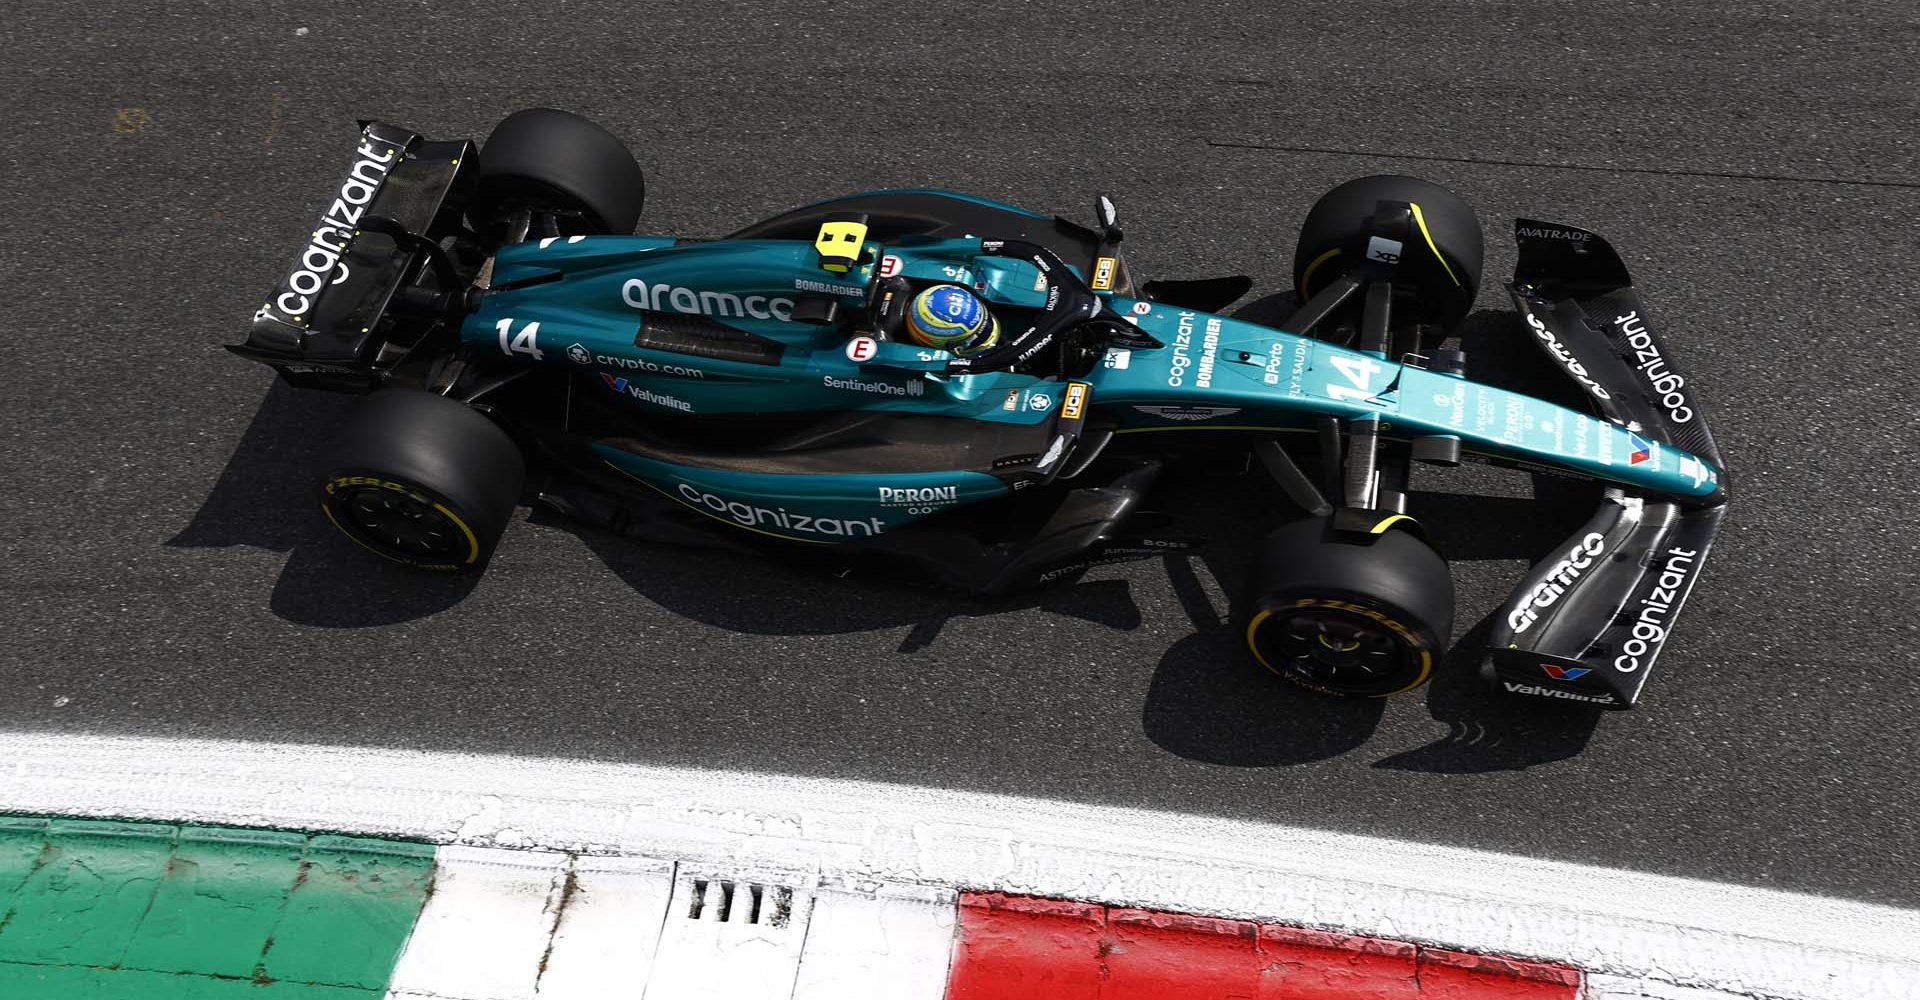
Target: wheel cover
[1339, 647]
[402, 525]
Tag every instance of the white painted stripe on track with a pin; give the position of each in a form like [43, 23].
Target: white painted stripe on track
[718, 943]
[1628, 924]
[519, 924]
[607, 929]
[1627, 988]
[485, 926]
[894, 942]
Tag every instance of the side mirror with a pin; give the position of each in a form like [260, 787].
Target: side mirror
[1108, 215]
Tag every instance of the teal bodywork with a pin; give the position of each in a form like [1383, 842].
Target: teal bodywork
[583, 302]
[590, 318]
[807, 508]
[1218, 373]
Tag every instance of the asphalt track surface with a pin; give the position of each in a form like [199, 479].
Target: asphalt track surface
[166, 572]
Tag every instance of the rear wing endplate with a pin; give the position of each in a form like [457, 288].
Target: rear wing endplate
[320, 322]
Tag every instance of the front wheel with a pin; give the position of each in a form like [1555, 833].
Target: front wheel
[1438, 261]
[1349, 617]
[423, 480]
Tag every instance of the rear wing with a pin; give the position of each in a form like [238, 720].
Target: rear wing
[322, 324]
[1587, 622]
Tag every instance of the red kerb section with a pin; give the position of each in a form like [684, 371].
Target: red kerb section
[1016, 948]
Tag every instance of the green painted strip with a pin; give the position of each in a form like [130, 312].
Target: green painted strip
[348, 917]
[22, 841]
[133, 911]
[91, 888]
[218, 902]
[43, 982]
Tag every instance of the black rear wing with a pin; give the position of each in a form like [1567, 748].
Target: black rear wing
[322, 324]
[1587, 622]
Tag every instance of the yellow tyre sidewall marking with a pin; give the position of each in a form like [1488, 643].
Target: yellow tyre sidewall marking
[1421, 221]
[1306, 277]
[1426, 652]
[326, 507]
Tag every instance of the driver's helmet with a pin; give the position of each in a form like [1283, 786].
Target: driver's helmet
[952, 319]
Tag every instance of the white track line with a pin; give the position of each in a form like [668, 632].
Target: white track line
[1626, 924]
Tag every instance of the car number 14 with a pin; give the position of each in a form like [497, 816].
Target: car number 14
[1359, 371]
[525, 342]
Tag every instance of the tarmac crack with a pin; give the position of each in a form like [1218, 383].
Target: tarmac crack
[1541, 165]
[569, 885]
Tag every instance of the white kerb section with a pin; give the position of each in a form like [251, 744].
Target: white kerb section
[731, 935]
[607, 929]
[1650, 931]
[890, 941]
[485, 927]
[1626, 988]
[538, 925]
[756, 935]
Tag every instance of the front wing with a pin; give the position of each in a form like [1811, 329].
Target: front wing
[1588, 622]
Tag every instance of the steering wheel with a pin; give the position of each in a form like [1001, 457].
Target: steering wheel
[1070, 303]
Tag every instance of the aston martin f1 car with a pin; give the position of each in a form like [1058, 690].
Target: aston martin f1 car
[515, 345]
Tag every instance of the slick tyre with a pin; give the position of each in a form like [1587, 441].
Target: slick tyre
[1344, 617]
[423, 480]
[551, 159]
[1441, 256]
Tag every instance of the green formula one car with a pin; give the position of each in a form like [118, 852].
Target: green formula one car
[786, 384]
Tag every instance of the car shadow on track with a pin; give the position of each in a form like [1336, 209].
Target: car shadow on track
[695, 574]
[1489, 730]
[263, 499]
[1208, 701]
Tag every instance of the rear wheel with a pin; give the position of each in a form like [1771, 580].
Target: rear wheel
[423, 480]
[561, 164]
[1439, 254]
[1344, 617]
